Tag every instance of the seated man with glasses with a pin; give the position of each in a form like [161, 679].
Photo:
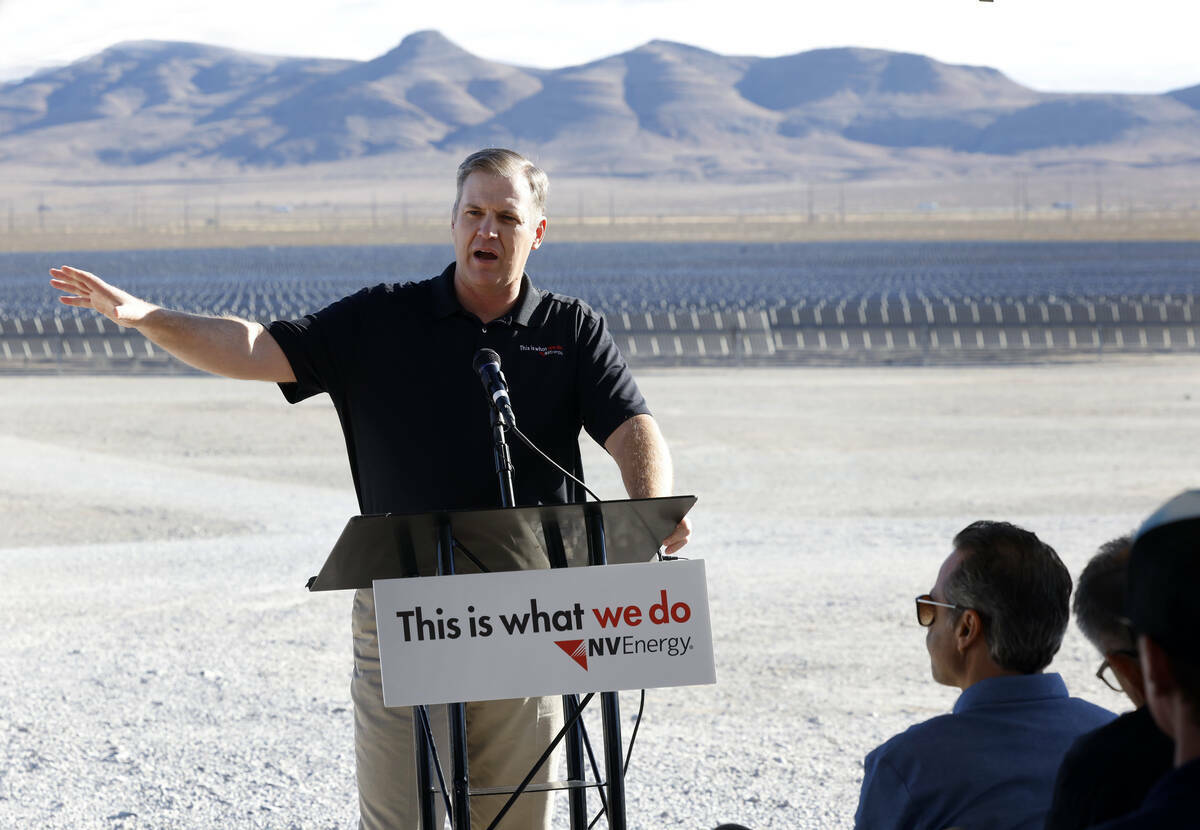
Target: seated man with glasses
[1108, 772]
[995, 618]
[1162, 608]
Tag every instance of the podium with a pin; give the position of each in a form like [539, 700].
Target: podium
[457, 542]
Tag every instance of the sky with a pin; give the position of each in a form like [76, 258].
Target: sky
[1050, 45]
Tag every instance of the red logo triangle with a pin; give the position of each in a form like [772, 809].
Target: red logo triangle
[575, 650]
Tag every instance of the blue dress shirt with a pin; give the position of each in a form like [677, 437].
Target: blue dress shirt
[990, 764]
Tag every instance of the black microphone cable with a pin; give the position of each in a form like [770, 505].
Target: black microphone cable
[525, 440]
[487, 365]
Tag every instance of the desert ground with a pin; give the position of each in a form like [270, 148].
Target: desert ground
[162, 666]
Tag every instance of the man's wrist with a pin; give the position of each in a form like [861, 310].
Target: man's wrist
[138, 314]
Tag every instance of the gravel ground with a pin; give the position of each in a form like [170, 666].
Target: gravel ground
[161, 666]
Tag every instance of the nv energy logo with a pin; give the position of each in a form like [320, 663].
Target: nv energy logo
[575, 650]
[662, 612]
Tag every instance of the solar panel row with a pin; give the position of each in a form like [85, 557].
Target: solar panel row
[876, 327]
[120, 349]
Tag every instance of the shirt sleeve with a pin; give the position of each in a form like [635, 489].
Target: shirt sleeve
[608, 394]
[319, 347]
[883, 802]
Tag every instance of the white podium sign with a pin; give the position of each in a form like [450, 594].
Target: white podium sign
[453, 639]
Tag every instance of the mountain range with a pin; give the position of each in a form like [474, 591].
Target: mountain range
[663, 109]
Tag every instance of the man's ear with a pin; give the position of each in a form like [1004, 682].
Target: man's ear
[539, 234]
[1156, 668]
[1160, 685]
[968, 630]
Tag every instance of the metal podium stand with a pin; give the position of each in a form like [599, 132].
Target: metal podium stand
[395, 546]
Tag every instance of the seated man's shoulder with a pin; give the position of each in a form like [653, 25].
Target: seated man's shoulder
[1085, 715]
[1132, 729]
[1108, 771]
[1172, 804]
[1060, 723]
[1036, 701]
[1050, 724]
[917, 739]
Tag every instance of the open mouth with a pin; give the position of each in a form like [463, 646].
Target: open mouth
[485, 256]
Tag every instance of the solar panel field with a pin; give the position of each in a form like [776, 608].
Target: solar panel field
[678, 303]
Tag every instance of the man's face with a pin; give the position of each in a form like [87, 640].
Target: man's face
[494, 228]
[939, 637]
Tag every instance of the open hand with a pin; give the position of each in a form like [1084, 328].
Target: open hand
[86, 290]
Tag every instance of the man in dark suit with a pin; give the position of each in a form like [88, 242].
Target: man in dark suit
[1164, 609]
[1108, 772]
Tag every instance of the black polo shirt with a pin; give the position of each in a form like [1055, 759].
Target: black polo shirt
[396, 360]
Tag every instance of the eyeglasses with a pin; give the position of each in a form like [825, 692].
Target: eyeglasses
[927, 609]
[1106, 671]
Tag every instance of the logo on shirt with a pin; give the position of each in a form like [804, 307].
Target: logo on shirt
[545, 351]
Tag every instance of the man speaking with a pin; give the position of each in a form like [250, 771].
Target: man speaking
[397, 362]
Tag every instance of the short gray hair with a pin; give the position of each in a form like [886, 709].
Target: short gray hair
[1020, 589]
[1099, 603]
[507, 163]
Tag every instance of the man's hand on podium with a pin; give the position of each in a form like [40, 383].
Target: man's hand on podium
[641, 454]
[679, 536]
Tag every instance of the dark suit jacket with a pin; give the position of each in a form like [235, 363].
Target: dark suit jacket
[1107, 772]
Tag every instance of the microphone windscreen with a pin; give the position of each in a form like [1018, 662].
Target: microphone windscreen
[483, 357]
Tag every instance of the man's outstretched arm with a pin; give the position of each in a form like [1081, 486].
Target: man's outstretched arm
[641, 454]
[225, 346]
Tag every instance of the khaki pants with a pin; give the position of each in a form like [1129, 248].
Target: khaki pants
[504, 739]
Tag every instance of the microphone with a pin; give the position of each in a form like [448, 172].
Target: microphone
[487, 365]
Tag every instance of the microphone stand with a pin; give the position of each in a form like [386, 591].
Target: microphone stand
[504, 465]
